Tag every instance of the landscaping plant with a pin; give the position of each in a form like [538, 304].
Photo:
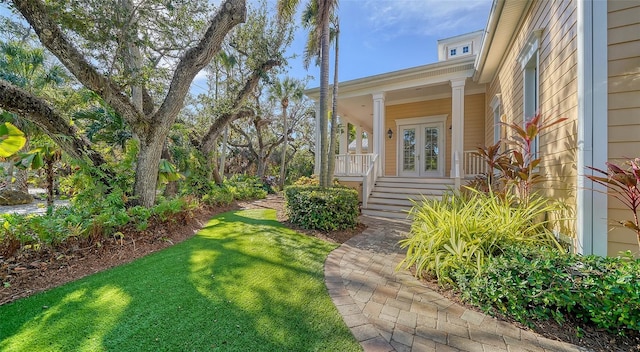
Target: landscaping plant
[623, 185]
[530, 284]
[326, 209]
[514, 168]
[463, 230]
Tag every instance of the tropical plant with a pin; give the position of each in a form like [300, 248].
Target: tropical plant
[515, 168]
[623, 185]
[321, 33]
[283, 91]
[11, 139]
[463, 230]
[42, 157]
[109, 58]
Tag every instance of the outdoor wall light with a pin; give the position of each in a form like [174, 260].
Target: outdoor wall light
[390, 133]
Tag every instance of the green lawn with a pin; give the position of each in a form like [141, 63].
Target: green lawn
[243, 283]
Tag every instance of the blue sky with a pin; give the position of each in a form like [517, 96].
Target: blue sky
[379, 36]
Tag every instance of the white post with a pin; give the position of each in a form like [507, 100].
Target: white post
[358, 140]
[591, 198]
[316, 169]
[457, 127]
[378, 130]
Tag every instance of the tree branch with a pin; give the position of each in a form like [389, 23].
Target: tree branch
[51, 36]
[36, 110]
[250, 85]
[231, 13]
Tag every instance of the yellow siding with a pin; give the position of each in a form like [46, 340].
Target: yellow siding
[473, 135]
[623, 37]
[557, 92]
[473, 121]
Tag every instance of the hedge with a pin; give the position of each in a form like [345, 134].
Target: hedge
[326, 209]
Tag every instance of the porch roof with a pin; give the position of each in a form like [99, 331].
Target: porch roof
[426, 82]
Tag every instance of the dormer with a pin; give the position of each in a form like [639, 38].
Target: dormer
[459, 46]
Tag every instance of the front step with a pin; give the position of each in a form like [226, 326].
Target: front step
[393, 197]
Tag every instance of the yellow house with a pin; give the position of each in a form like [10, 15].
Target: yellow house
[574, 59]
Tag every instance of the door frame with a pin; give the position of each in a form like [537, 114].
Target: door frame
[426, 120]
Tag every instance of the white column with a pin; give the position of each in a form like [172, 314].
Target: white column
[344, 137]
[358, 140]
[316, 169]
[591, 198]
[378, 130]
[457, 129]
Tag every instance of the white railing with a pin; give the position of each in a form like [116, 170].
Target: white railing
[369, 179]
[353, 164]
[474, 164]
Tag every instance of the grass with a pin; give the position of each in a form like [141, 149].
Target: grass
[243, 283]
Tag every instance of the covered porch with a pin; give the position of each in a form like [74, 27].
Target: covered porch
[419, 123]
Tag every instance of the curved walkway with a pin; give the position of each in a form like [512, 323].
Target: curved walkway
[389, 310]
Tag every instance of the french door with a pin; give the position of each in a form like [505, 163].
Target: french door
[422, 150]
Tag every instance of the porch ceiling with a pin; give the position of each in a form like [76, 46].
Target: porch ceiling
[358, 109]
[421, 83]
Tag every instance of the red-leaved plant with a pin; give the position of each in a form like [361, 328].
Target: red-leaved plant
[623, 185]
[516, 167]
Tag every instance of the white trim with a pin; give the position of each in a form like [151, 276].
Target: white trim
[431, 97]
[592, 206]
[439, 122]
[457, 127]
[496, 107]
[530, 47]
[421, 120]
[379, 129]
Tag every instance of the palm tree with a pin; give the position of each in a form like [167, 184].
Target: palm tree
[24, 66]
[325, 8]
[283, 91]
[331, 164]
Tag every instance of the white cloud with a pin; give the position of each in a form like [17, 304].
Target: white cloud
[426, 17]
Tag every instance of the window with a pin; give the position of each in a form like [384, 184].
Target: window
[531, 94]
[530, 72]
[465, 49]
[496, 107]
[452, 52]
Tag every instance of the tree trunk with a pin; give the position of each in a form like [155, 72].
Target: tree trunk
[147, 171]
[22, 175]
[262, 164]
[223, 152]
[331, 162]
[324, 87]
[171, 189]
[283, 162]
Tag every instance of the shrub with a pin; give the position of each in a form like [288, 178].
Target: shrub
[623, 185]
[538, 284]
[307, 181]
[462, 230]
[166, 210]
[218, 196]
[140, 216]
[325, 209]
[246, 187]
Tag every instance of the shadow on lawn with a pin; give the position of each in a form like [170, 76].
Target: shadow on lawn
[243, 283]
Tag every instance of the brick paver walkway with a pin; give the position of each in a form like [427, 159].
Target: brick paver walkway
[389, 310]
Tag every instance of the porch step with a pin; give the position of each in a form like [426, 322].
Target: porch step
[392, 196]
[385, 214]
